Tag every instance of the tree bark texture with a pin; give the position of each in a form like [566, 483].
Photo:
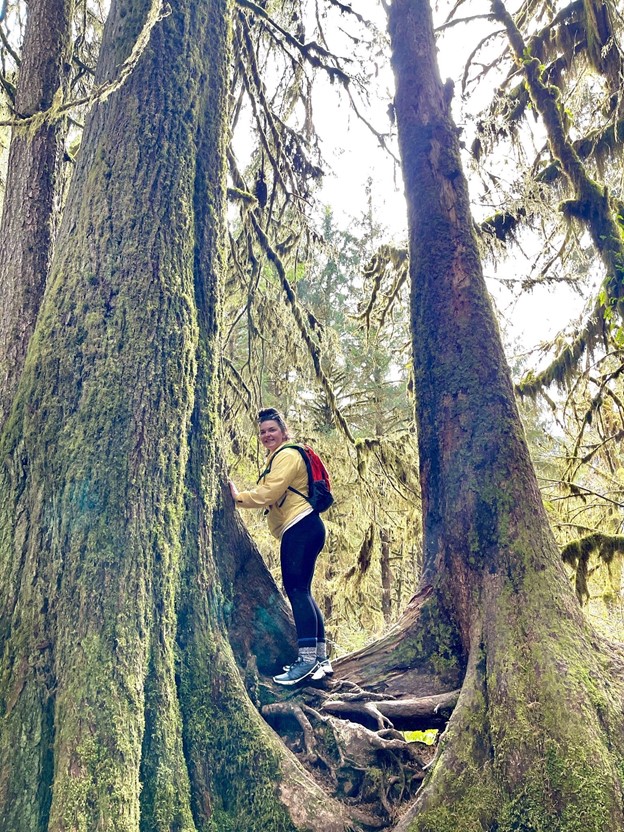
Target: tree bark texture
[259, 621]
[35, 157]
[386, 576]
[536, 737]
[122, 706]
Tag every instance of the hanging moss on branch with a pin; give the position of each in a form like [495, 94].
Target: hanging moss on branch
[60, 108]
[556, 46]
[388, 262]
[312, 51]
[591, 204]
[563, 368]
[312, 344]
[597, 146]
[504, 224]
[577, 554]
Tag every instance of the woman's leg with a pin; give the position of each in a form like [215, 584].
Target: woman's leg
[320, 621]
[299, 550]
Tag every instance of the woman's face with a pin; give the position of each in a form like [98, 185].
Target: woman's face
[271, 435]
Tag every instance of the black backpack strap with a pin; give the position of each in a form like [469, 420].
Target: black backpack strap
[305, 496]
[307, 465]
[267, 470]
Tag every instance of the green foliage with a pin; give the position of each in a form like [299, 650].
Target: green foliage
[375, 477]
[575, 441]
[428, 737]
[555, 203]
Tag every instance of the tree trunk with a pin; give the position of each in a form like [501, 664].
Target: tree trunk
[535, 741]
[386, 576]
[259, 620]
[122, 707]
[35, 157]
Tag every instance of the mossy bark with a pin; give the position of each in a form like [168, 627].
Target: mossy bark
[536, 740]
[259, 620]
[94, 457]
[34, 164]
[121, 705]
[592, 203]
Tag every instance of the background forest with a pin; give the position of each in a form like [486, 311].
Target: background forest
[316, 316]
[347, 272]
[173, 256]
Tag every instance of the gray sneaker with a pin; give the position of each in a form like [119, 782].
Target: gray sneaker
[324, 669]
[297, 672]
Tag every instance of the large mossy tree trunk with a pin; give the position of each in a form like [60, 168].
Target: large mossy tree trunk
[121, 705]
[35, 156]
[260, 625]
[536, 739]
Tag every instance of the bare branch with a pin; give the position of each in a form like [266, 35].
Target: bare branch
[6, 44]
[312, 51]
[450, 23]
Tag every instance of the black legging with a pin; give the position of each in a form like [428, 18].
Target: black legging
[299, 550]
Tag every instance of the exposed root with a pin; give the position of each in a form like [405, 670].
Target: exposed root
[356, 692]
[348, 736]
[407, 714]
[295, 711]
[363, 709]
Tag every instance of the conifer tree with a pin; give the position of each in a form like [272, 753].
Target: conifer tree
[537, 706]
[121, 704]
[34, 165]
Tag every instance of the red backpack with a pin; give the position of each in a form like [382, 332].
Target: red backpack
[319, 488]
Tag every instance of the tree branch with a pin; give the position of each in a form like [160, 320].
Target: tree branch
[312, 345]
[159, 10]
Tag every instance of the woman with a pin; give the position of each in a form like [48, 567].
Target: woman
[301, 533]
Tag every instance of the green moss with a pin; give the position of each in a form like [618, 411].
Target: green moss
[526, 749]
[165, 787]
[442, 819]
[435, 642]
[558, 794]
[473, 812]
[229, 748]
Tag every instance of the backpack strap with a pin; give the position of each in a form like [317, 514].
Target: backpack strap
[307, 465]
[267, 470]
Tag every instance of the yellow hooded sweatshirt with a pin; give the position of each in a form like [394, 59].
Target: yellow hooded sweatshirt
[287, 468]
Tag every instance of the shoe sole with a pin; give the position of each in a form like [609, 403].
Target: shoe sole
[317, 675]
[289, 683]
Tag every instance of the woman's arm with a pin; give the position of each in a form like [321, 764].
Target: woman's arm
[274, 485]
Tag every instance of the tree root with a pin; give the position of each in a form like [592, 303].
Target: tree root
[349, 737]
[362, 709]
[296, 712]
[414, 714]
